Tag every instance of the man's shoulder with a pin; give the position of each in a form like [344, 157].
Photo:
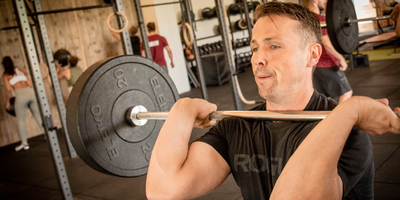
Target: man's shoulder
[319, 102]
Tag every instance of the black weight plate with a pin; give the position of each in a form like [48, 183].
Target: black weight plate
[344, 37]
[11, 111]
[96, 112]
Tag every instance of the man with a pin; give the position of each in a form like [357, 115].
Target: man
[157, 44]
[329, 77]
[326, 159]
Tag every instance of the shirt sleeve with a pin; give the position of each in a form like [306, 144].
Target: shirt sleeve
[321, 18]
[164, 41]
[215, 137]
[356, 165]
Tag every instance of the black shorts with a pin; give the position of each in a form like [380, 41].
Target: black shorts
[330, 82]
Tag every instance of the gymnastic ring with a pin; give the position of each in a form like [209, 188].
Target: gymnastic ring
[242, 24]
[109, 22]
[185, 35]
[253, 21]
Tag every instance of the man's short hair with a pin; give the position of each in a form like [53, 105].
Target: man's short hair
[309, 23]
[133, 30]
[151, 26]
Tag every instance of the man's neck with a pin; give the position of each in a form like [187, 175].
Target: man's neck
[152, 33]
[293, 102]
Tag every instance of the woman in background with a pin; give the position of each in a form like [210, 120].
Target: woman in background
[19, 81]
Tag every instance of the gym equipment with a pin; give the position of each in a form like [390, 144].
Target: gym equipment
[96, 113]
[62, 56]
[238, 43]
[253, 21]
[246, 41]
[208, 13]
[235, 8]
[111, 107]
[247, 55]
[341, 22]
[240, 24]
[125, 22]
[11, 111]
[252, 5]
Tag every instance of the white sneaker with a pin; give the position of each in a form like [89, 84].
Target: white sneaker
[25, 147]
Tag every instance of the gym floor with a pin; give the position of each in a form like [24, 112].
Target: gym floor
[30, 174]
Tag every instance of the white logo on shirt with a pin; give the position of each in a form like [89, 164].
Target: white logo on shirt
[154, 43]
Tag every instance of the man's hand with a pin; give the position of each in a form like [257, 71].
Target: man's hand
[343, 65]
[198, 107]
[172, 64]
[375, 116]
[8, 105]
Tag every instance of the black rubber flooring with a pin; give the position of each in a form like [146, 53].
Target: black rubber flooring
[31, 175]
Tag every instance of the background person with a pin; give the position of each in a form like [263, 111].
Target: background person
[328, 159]
[71, 73]
[157, 44]
[135, 40]
[329, 77]
[18, 80]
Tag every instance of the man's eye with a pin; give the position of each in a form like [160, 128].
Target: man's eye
[274, 47]
[255, 49]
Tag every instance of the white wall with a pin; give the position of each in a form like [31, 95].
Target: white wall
[167, 26]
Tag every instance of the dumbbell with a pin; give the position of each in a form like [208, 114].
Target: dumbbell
[248, 56]
[239, 43]
[246, 41]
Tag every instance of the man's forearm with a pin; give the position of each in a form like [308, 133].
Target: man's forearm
[334, 53]
[170, 153]
[311, 172]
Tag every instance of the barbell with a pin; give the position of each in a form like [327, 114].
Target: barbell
[342, 25]
[117, 107]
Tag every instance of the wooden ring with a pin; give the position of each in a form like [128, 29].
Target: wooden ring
[117, 30]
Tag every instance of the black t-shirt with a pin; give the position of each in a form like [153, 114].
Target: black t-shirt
[135, 45]
[257, 151]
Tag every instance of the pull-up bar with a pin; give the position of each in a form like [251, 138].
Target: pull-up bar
[160, 4]
[69, 9]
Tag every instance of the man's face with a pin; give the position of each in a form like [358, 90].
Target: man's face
[279, 59]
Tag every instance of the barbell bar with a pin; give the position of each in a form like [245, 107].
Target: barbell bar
[138, 115]
[350, 21]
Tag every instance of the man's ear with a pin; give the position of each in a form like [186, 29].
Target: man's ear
[314, 53]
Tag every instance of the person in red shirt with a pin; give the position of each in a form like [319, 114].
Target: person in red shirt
[157, 44]
[329, 78]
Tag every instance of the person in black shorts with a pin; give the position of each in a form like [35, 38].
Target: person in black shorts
[322, 159]
[135, 41]
[329, 77]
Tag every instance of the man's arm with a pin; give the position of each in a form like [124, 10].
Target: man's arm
[116, 35]
[170, 55]
[311, 172]
[329, 47]
[177, 171]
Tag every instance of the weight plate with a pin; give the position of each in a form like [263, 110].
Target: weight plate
[97, 106]
[344, 36]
